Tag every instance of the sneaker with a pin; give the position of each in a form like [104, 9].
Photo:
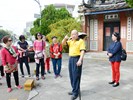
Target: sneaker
[19, 87]
[29, 75]
[22, 76]
[60, 75]
[43, 77]
[49, 72]
[56, 76]
[37, 78]
[9, 89]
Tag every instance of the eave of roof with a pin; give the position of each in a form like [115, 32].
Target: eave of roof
[108, 7]
[108, 11]
[105, 8]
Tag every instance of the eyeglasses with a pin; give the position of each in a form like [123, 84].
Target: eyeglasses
[38, 35]
[9, 40]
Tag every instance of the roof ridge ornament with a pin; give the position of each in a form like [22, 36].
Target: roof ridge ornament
[90, 3]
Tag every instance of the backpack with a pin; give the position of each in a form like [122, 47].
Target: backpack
[123, 55]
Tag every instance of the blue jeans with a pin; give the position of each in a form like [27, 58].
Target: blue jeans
[57, 65]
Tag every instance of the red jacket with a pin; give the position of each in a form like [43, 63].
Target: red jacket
[55, 48]
[7, 58]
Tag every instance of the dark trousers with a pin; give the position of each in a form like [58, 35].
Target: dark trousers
[2, 70]
[41, 62]
[8, 78]
[75, 75]
[57, 65]
[24, 60]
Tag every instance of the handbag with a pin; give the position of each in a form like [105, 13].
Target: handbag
[123, 55]
[11, 68]
[39, 55]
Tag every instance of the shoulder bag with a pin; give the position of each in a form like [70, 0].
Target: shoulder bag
[39, 55]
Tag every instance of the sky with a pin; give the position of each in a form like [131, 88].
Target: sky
[15, 13]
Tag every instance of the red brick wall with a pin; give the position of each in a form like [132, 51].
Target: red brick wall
[123, 24]
[86, 29]
[100, 32]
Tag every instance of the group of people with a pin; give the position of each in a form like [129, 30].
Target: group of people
[44, 51]
[11, 55]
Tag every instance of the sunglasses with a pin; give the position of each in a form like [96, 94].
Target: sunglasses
[9, 40]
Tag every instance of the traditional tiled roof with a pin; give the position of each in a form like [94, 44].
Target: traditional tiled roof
[102, 7]
[108, 7]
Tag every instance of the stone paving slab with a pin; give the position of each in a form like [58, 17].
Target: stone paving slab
[94, 85]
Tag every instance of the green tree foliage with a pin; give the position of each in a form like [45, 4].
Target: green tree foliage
[130, 2]
[49, 15]
[62, 28]
[3, 33]
[36, 27]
